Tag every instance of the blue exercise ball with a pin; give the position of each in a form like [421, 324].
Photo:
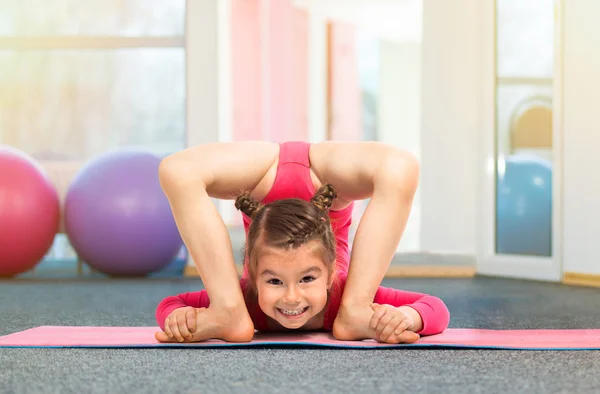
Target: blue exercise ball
[117, 217]
[524, 207]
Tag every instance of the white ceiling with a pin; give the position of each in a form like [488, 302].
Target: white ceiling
[397, 20]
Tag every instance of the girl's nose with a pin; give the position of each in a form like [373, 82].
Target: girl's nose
[292, 295]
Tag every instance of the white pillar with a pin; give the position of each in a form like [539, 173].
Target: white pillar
[204, 77]
[451, 104]
[399, 115]
[202, 71]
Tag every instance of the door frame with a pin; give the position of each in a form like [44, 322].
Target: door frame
[516, 266]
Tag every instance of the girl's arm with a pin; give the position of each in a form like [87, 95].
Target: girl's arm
[196, 299]
[389, 176]
[430, 314]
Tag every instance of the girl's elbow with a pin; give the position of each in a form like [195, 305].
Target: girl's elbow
[169, 172]
[444, 321]
[175, 175]
[401, 172]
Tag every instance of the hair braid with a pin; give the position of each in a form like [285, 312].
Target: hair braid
[324, 197]
[247, 204]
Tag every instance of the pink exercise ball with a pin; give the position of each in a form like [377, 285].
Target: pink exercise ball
[29, 212]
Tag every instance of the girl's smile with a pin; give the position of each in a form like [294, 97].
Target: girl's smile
[293, 313]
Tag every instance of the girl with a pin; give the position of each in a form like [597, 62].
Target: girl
[270, 172]
[292, 279]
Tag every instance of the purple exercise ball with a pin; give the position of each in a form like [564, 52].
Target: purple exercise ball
[117, 217]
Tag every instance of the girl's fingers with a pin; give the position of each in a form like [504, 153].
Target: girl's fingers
[183, 328]
[400, 333]
[404, 337]
[375, 319]
[383, 322]
[162, 337]
[168, 329]
[391, 327]
[408, 337]
[403, 326]
[175, 329]
[191, 320]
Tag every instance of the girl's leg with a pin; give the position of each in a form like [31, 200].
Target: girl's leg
[189, 179]
[375, 244]
[208, 242]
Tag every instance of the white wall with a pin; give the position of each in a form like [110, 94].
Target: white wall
[396, 20]
[399, 114]
[391, 20]
[581, 141]
[450, 125]
[202, 72]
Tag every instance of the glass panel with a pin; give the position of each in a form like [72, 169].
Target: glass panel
[525, 33]
[524, 170]
[92, 17]
[67, 104]
[367, 51]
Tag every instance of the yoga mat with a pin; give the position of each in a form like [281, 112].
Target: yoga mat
[143, 337]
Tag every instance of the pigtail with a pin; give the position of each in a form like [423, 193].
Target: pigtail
[324, 197]
[246, 204]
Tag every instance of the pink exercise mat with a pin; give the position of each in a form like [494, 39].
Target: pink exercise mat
[143, 337]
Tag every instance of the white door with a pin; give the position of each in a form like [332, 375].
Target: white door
[521, 204]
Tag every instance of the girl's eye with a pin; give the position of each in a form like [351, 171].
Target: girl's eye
[274, 282]
[307, 279]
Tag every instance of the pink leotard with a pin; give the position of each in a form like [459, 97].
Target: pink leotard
[293, 180]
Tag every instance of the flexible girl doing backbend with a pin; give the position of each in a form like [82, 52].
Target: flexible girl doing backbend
[296, 199]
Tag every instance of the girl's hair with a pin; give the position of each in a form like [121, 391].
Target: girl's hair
[286, 225]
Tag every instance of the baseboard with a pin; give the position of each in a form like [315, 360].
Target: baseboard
[434, 259]
[430, 271]
[578, 279]
[190, 271]
[395, 271]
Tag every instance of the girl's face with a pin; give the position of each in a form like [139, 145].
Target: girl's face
[292, 286]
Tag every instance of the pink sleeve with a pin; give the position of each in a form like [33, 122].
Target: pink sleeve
[433, 311]
[196, 299]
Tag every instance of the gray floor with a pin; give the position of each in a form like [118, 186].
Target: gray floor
[479, 303]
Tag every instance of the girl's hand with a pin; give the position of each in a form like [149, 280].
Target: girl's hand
[391, 325]
[180, 325]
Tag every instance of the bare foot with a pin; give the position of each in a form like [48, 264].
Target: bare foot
[230, 325]
[352, 323]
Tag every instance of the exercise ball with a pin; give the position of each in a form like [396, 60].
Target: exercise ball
[524, 207]
[117, 217]
[29, 212]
